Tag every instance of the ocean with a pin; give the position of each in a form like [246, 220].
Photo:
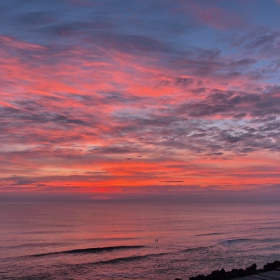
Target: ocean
[134, 240]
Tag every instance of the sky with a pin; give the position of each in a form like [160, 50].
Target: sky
[103, 99]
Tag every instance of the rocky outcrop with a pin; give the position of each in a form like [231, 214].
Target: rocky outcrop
[236, 273]
[271, 266]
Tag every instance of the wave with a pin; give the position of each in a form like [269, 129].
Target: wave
[268, 240]
[32, 245]
[208, 234]
[244, 240]
[89, 250]
[125, 259]
[235, 241]
[267, 228]
[128, 259]
[194, 249]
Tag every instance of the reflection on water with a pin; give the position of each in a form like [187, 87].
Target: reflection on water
[117, 240]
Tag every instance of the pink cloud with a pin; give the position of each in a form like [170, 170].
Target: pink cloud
[120, 123]
[217, 17]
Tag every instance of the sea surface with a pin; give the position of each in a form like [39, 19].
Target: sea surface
[134, 240]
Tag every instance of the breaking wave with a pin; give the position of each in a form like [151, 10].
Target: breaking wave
[194, 249]
[90, 250]
[208, 234]
[235, 241]
[128, 259]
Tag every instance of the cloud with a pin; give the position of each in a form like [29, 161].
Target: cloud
[217, 17]
[100, 97]
[263, 41]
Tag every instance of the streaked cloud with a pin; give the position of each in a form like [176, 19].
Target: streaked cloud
[104, 97]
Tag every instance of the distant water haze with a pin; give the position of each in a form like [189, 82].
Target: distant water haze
[116, 240]
[173, 194]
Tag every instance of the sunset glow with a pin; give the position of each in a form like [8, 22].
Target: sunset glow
[106, 99]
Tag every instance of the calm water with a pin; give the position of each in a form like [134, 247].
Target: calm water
[117, 241]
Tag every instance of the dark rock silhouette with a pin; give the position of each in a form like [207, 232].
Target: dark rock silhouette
[271, 266]
[251, 269]
[236, 273]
